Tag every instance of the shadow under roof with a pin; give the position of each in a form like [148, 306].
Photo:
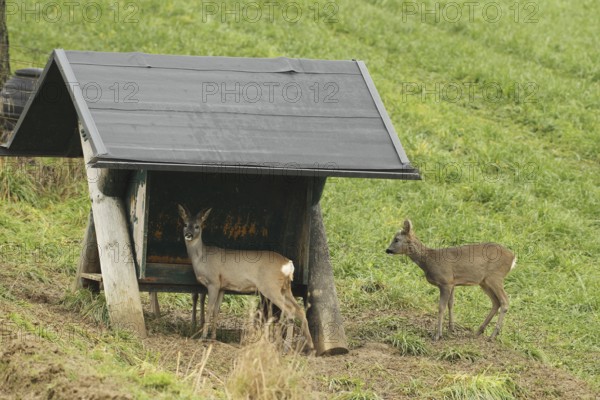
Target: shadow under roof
[213, 114]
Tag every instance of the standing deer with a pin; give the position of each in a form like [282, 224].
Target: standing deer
[485, 264]
[241, 271]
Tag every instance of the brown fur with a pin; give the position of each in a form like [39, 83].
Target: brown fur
[484, 264]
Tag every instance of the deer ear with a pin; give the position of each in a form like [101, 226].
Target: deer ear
[204, 215]
[407, 226]
[183, 212]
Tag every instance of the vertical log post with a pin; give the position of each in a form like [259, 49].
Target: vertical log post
[324, 316]
[89, 260]
[154, 306]
[115, 250]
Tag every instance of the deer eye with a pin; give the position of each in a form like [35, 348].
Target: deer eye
[196, 226]
[396, 240]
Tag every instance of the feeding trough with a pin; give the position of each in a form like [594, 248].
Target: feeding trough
[255, 139]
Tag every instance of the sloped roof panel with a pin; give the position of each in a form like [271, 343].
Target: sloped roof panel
[184, 112]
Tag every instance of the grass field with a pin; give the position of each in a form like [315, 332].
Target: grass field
[501, 113]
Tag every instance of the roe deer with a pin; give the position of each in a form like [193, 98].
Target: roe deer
[485, 264]
[245, 271]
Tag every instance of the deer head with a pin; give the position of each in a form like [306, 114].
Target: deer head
[402, 241]
[192, 226]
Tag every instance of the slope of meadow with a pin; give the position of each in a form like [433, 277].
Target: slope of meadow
[497, 103]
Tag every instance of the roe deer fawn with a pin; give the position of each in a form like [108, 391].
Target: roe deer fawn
[485, 264]
[245, 271]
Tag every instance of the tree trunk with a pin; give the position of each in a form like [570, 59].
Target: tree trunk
[4, 60]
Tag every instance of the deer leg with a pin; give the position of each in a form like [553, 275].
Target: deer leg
[493, 311]
[301, 315]
[274, 296]
[503, 298]
[445, 292]
[290, 308]
[202, 301]
[266, 311]
[297, 311]
[213, 297]
[450, 311]
[215, 318]
[194, 306]
[289, 333]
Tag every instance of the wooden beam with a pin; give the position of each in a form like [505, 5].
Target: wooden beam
[115, 253]
[89, 260]
[92, 277]
[323, 314]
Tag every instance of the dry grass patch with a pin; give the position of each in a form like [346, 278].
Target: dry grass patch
[262, 372]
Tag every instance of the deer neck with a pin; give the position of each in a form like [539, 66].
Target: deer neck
[197, 250]
[418, 252]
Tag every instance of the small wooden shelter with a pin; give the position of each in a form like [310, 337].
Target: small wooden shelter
[255, 139]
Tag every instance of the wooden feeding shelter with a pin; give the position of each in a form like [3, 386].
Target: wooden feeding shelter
[255, 139]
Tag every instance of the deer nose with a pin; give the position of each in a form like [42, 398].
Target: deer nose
[389, 251]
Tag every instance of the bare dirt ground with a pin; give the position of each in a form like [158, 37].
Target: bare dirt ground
[35, 367]
[36, 370]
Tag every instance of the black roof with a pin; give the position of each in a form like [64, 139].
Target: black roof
[188, 113]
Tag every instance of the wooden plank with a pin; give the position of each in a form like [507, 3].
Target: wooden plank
[298, 291]
[92, 277]
[293, 241]
[167, 288]
[304, 256]
[115, 251]
[137, 210]
[173, 274]
[324, 316]
[89, 261]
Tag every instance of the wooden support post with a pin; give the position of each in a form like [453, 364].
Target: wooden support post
[89, 260]
[114, 182]
[154, 306]
[324, 316]
[115, 252]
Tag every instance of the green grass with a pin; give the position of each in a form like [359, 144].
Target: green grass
[408, 344]
[88, 304]
[523, 171]
[350, 389]
[454, 354]
[480, 386]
